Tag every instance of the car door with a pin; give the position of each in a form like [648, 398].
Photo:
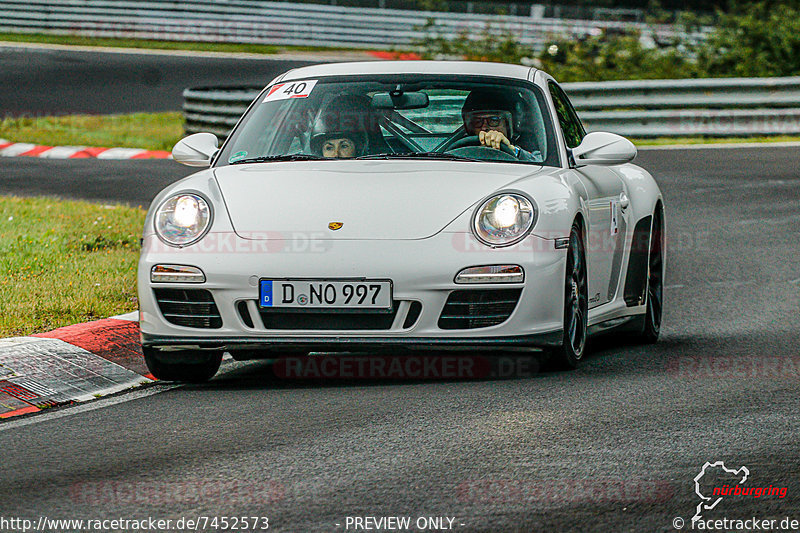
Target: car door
[606, 224]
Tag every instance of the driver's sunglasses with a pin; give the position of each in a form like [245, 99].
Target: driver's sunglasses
[491, 119]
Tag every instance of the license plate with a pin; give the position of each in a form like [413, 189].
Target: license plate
[325, 294]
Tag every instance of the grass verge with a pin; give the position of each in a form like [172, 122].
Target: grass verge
[153, 131]
[65, 262]
[77, 40]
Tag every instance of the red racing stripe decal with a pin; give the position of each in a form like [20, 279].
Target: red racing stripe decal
[275, 88]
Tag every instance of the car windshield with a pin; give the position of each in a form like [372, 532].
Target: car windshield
[396, 117]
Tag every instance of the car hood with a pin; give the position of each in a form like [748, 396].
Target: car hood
[371, 199]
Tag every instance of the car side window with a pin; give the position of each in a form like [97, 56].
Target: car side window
[570, 123]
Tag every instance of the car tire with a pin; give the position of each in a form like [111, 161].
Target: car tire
[650, 323]
[576, 306]
[189, 366]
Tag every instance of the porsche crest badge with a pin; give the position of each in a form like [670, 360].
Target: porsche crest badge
[335, 225]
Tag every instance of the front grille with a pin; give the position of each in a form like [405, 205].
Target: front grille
[469, 309]
[191, 308]
[326, 320]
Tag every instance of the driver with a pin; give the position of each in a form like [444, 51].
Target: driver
[489, 114]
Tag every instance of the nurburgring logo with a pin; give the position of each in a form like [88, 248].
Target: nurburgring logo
[715, 482]
[704, 505]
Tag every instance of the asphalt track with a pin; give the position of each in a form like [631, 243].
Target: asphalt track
[46, 82]
[613, 446]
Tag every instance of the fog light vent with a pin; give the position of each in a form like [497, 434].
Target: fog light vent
[191, 308]
[478, 308]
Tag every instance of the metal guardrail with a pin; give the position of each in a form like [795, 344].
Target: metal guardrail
[709, 93]
[696, 122]
[725, 107]
[720, 107]
[216, 110]
[280, 23]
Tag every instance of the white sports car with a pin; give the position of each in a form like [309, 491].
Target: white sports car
[400, 205]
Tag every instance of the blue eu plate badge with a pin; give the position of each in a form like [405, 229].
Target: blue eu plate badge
[266, 293]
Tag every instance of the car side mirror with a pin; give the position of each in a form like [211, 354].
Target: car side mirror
[603, 148]
[196, 150]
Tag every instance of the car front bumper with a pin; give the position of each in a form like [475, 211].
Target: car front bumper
[421, 271]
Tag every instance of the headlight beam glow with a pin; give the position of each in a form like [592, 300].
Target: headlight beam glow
[504, 219]
[183, 219]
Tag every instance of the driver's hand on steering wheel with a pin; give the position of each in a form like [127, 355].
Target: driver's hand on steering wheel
[493, 139]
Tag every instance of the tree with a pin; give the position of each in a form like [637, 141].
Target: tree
[753, 39]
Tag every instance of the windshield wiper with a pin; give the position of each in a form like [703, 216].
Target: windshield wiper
[400, 155]
[421, 155]
[270, 158]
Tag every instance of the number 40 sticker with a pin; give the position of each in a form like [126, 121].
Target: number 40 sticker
[294, 89]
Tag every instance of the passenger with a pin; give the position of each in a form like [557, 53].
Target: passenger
[342, 147]
[346, 128]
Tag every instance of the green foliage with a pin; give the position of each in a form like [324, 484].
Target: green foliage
[431, 5]
[752, 38]
[613, 57]
[489, 44]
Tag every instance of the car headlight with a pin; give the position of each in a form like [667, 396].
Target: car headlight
[183, 219]
[504, 219]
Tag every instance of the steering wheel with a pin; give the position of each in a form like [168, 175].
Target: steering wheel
[474, 140]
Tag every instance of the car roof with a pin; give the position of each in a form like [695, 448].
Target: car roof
[464, 68]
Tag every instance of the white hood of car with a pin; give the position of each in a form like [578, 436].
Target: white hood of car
[372, 199]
